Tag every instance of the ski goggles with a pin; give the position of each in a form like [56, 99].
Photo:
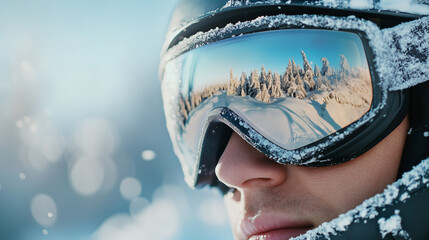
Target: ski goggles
[304, 90]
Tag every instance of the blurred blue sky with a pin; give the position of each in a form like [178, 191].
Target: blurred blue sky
[84, 153]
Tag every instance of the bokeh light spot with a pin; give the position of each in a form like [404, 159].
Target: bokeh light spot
[87, 175]
[130, 188]
[19, 124]
[45, 232]
[33, 128]
[22, 176]
[41, 205]
[148, 155]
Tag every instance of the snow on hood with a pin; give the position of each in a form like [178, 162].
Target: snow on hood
[406, 6]
[399, 191]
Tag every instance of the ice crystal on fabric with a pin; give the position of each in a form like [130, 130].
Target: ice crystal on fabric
[404, 196]
[392, 226]
[409, 61]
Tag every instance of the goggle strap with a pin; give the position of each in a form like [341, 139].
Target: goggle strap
[407, 63]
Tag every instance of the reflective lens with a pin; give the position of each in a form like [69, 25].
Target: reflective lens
[294, 87]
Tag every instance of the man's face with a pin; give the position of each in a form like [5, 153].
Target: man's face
[273, 201]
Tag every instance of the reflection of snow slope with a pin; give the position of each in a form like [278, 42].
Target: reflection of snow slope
[347, 102]
[290, 122]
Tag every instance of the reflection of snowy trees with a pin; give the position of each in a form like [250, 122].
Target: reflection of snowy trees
[295, 82]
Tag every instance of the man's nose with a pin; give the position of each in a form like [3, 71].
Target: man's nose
[242, 166]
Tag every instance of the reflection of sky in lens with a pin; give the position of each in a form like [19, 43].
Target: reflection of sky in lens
[272, 49]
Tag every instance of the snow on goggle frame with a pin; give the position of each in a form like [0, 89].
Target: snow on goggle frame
[297, 94]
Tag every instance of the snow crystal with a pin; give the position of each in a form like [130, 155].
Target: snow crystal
[343, 222]
[404, 196]
[392, 225]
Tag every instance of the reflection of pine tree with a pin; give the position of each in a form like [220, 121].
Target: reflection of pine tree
[258, 94]
[277, 87]
[320, 84]
[233, 84]
[255, 86]
[300, 90]
[262, 76]
[196, 100]
[183, 109]
[308, 73]
[326, 69]
[265, 95]
[344, 67]
[287, 76]
[243, 88]
[317, 72]
[294, 82]
[269, 82]
[188, 105]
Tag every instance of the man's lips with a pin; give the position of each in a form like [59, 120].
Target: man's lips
[273, 227]
[280, 234]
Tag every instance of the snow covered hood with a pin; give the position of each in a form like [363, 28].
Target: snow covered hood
[390, 212]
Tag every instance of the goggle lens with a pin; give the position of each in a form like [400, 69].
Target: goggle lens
[293, 86]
